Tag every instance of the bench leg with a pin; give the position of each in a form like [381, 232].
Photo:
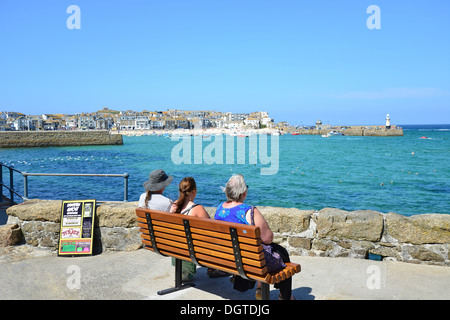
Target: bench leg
[178, 283]
[265, 291]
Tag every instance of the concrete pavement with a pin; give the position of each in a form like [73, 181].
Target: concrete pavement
[29, 273]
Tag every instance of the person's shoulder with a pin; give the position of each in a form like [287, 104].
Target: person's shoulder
[161, 197]
[220, 206]
[246, 206]
[198, 207]
[199, 210]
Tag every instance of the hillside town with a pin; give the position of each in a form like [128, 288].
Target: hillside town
[107, 119]
[175, 121]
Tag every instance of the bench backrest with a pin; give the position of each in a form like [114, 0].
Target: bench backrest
[231, 247]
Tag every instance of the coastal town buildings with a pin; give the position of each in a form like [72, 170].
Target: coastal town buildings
[107, 119]
[174, 119]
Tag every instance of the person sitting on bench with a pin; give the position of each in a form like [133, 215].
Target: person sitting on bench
[185, 205]
[234, 210]
[153, 197]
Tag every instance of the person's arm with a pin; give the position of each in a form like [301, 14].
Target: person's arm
[266, 233]
[199, 211]
[173, 207]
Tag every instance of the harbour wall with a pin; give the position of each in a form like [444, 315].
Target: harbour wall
[368, 131]
[29, 139]
[327, 233]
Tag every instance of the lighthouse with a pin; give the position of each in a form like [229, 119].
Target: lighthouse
[388, 121]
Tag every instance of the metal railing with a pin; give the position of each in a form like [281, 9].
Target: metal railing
[12, 192]
[28, 174]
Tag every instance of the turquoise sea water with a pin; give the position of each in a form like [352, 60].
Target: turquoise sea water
[350, 173]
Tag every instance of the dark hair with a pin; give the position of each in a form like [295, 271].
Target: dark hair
[148, 197]
[187, 185]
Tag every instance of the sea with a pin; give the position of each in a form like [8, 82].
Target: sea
[407, 175]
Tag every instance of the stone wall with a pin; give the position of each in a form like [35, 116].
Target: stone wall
[29, 139]
[369, 131]
[328, 232]
[336, 233]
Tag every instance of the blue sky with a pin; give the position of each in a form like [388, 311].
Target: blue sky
[298, 60]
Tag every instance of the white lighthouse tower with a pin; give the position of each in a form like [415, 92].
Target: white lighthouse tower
[388, 121]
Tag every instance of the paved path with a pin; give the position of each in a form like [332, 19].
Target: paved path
[27, 273]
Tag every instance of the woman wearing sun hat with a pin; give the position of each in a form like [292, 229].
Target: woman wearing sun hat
[153, 198]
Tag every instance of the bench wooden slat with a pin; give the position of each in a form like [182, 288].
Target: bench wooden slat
[287, 272]
[207, 242]
[252, 262]
[204, 238]
[229, 250]
[175, 243]
[206, 252]
[258, 249]
[208, 249]
[215, 234]
[229, 263]
[201, 223]
[171, 254]
[208, 264]
[168, 250]
[295, 267]
[219, 262]
[263, 278]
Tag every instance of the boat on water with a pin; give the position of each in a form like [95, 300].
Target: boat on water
[332, 133]
[295, 133]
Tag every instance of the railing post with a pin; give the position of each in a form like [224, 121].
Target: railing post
[25, 185]
[125, 187]
[11, 186]
[1, 182]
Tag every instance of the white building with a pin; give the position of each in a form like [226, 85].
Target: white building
[266, 121]
[233, 125]
[252, 122]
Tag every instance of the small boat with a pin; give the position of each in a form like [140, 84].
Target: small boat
[424, 137]
[295, 133]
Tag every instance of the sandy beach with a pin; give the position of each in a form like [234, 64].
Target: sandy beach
[196, 132]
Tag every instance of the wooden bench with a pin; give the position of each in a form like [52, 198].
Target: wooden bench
[230, 247]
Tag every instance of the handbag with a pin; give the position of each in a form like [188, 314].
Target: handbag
[273, 259]
[274, 262]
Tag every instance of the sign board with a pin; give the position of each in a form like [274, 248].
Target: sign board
[77, 228]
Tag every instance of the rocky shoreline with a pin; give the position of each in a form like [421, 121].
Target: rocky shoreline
[328, 232]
